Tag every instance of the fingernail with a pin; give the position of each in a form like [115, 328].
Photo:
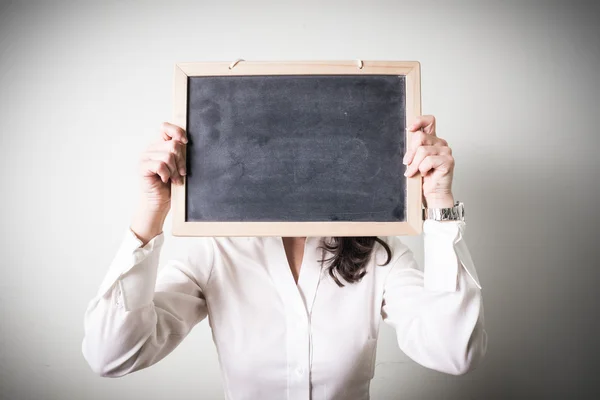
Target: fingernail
[406, 173]
[184, 140]
[182, 171]
[405, 159]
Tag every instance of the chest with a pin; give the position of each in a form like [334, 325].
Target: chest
[254, 299]
[290, 335]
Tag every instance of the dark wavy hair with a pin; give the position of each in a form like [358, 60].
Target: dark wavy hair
[349, 257]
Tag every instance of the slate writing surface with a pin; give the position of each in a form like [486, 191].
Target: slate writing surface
[296, 148]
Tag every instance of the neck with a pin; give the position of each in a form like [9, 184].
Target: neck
[294, 251]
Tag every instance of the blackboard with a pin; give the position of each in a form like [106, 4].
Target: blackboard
[295, 148]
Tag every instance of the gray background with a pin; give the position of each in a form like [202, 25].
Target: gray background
[515, 85]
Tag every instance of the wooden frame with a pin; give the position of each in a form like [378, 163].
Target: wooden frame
[414, 220]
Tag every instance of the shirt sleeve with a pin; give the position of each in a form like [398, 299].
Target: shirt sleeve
[139, 315]
[438, 313]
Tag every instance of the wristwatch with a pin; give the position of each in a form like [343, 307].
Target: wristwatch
[456, 213]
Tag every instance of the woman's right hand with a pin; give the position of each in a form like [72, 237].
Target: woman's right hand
[161, 163]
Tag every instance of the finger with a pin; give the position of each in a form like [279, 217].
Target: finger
[168, 158]
[177, 149]
[155, 167]
[180, 158]
[421, 139]
[442, 163]
[173, 132]
[426, 123]
[420, 154]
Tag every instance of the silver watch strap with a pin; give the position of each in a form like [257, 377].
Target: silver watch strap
[456, 213]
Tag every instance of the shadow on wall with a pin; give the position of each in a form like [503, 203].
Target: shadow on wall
[540, 270]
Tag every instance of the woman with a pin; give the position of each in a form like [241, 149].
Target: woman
[292, 318]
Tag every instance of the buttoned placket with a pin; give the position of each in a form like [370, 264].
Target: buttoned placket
[298, 300]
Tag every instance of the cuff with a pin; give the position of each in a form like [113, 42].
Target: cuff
[130, 254]
[445, 249]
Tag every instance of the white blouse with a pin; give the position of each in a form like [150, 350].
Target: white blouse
[280, 340]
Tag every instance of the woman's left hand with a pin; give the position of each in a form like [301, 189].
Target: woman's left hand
[431, 156]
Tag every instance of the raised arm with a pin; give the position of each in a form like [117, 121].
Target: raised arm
[136, 318]
[438, 313]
